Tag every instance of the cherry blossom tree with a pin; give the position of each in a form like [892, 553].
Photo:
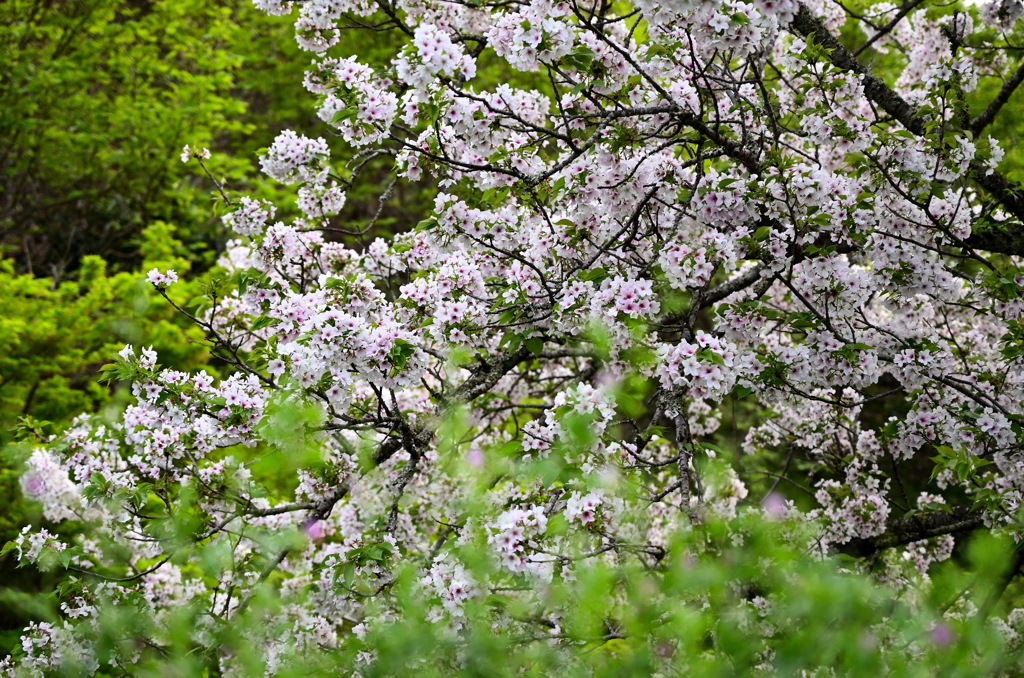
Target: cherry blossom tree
[694, 203]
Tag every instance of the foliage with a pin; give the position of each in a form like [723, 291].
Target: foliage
[91, 141]
[713, 609]
[98, 96]
[101, 96]
[53, 340]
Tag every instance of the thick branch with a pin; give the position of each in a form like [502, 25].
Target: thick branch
[807, 25]
[481, 381]
[1009, 194]
[900, 531]
[738, 283]
[1010, 238]
[992, 110]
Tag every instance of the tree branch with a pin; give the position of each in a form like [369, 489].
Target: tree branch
[992, 110]
[916, 527]
[1009, 194]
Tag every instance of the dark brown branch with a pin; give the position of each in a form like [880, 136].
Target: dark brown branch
[885, 30]
[992, 110]
[1009, 194]
[900, 531]
[808, 25]
[738, 283]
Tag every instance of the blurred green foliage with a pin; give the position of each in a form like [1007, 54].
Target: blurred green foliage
[54, 338]
[98, 97]
[717, 605]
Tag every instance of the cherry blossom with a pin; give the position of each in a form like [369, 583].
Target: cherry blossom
[635, 231]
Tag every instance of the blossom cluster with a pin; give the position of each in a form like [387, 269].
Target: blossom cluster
[293, 158]
[356, 102]
[536, 34]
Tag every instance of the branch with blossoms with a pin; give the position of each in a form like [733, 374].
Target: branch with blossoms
[678, 207]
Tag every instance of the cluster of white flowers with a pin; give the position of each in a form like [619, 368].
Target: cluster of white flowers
[583, 509]
[162, 280]
[1002, 13]
[293, 158]
[510, 534]
[433, 53]
[251, 218]
[46, 482]
[453, 584]
[538, 33]
[189, 153]
[861, 515]
[708, 368]
[357, 103]
[319, 201]
[56, 648]
[31, 545]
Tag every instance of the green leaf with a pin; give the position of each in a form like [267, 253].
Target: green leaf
[742, 392]
[501, 601]
[343, 115]
[595, 275]
[580, 57]
[511, 449]
[263, 321]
